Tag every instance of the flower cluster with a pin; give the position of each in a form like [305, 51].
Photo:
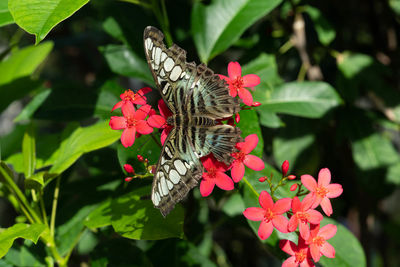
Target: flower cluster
[312, 242]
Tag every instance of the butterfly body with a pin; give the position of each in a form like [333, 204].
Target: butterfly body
[197, 98]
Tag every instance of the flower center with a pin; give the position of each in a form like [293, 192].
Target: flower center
[237, 83]
[212, 172]
[302, 216]
[130, 122]
[321, 191]
[300, 256]
[269, 215]
[319, 241]
[239, 155]
[129, 95]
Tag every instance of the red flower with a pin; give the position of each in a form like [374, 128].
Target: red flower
[243, 158]
[215, 175]
[135, 98]
[299, 253]
[322, 191]
[285, 167]
[132, 121]
[237, 83]
[302, 215]
[128, 168]
[270, 214]
[160, 121]
[317, 241]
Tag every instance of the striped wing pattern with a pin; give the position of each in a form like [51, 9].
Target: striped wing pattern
[197, 98]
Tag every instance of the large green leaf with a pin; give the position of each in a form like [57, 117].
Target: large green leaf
[220, 24]
[348, 249]
[38, 17]
[124, 61]
[5, 15]
[134, 216]
[20, 230]
[29, 151]
[35, 103]
[83, 140]
[326, 33]
[304, 99]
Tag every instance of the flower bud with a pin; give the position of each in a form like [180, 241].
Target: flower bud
[293, 187]
[291, 177]
[128, 168]
[237, 117]
[128, 179]
[256, 104]
[285, 167]
[262, 179]
[140, 158]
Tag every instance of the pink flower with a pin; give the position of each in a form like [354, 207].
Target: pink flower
[131, 122]
[161, 121]
[299, 253]
[214, 175]
[243, 158]
[317, 241]
[322, 191]
[285, 167]
[128, 168]
[237, 83]
[135, 98]
[302, 215]
[269, 214]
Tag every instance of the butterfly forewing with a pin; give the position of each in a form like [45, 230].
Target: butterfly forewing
[197, 98]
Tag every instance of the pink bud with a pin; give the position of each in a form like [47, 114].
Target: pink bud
[146, 160]
[128, 168]
[285, 167]
[237, 117]
[256, 104]
[140, 158]
[291, 177]
[262, 179]
[128, 179]
[293, 187]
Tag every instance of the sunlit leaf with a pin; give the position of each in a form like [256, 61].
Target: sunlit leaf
[326, 33]
[5, 15]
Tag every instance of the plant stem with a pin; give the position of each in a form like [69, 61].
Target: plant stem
[251, 187]
[43, 209]
[54, 208]
[162, 18]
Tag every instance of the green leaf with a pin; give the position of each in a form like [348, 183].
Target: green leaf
[220, 24]
[291, 148]
[249, 125]
[38, 17]
[134, 216]
[352, 64]
[304, 99]
[270, 119]
[35, 181]
[234, 205]
[23, 62]
[5, 15]
[374, 151]
[326, 33]
[29, 151]
[348, 249]
[35, 103]
[99, 217]
[83, 140]
[393, 174]
[20, 230]
[124, 61]
[27, 254]
[395, 5]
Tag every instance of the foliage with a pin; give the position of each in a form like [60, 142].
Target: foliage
[328, 97]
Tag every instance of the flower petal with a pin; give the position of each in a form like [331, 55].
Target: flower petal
[296, 204]
[280, 223]
[293, 222]
[144, 90]
[290, 262]
[308, 201]
[265, 230]
[232, 90]
[237, 171]
[117, 123]
[309, 182]
[118, 105]
[164, 110]
[251, 80]
[304, 230]
[246, 96]
[315, 217]
[288, 246]
[328, 231]
[254, 162]
[265, 200]
[208, 163]
[250, 142]
[206, 187]
[326, 206]
[254, 213]
[335, 190]
[234, 70]
[282, 205]
[156, 121]
[223, 77]
[128, 137]
[128, 109]
[324, 177]
[164, 134]
[142, 112]
[328, 250]
[315, 253]
[223, 181]
[143, 127]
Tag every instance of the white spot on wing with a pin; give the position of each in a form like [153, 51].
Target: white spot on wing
[174, 176]
[175, 73]
[168, 152]
[183, 74]
[163, 56]
[159, 188]
[166, 168]
[157, 55]
[164, 186]
[168, 64]
[169, 184]
[165, 89]
[159, 79]
[162, 73]
[180, 167]
[162, 160]
[187, 165]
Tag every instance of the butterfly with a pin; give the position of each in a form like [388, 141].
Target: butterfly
[197, 98]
